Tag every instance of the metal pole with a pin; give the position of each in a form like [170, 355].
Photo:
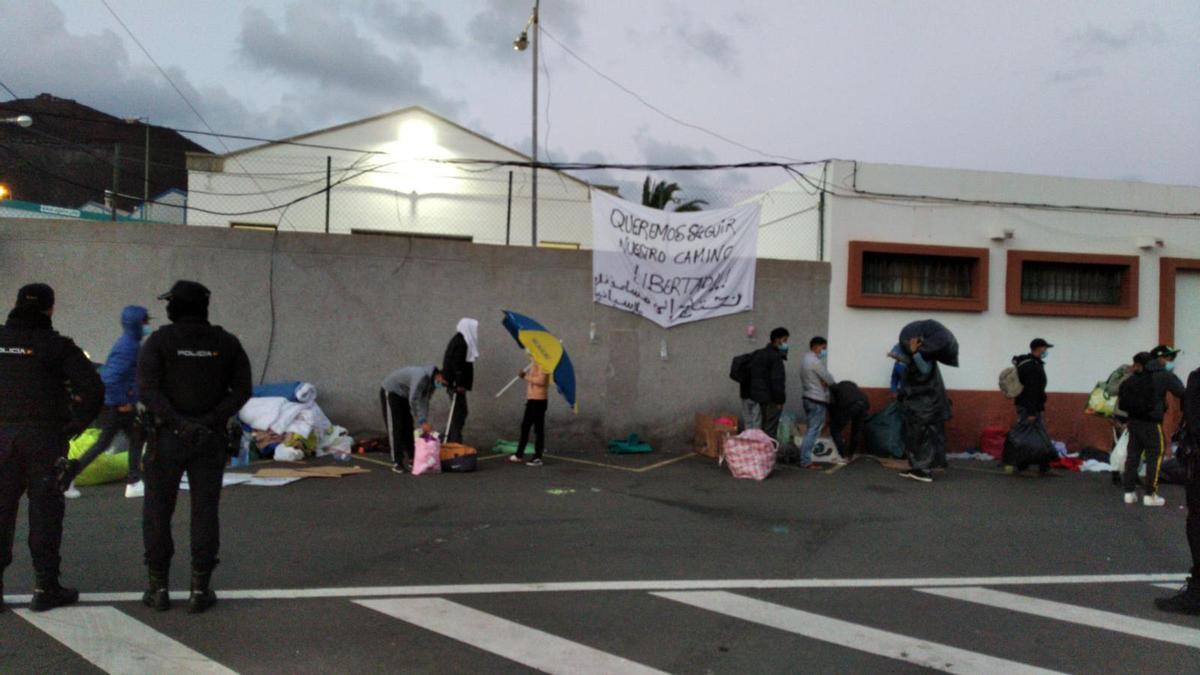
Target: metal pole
[146, 179]
[534, 212]
[821, 226]
[116, 180]
[328, 186]
[508, 216]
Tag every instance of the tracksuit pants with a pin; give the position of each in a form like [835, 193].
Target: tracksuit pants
[1145, 438]
[397, 418]
[535, 419]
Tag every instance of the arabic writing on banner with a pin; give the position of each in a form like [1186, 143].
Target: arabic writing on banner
[673, 268]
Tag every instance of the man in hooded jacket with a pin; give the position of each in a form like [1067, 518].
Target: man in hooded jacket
[458, 367]
[193, 377]
[49, 392]
[120, 399]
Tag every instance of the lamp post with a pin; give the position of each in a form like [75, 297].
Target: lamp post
[520, 44]
[24, 121]
[145, 121]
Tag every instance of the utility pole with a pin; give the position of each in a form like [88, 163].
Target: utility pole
[534, 212]
[328, 187]
[146, 174]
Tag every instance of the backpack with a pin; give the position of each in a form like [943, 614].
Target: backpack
[1136, 396]
[1010, 382]
[739, 368]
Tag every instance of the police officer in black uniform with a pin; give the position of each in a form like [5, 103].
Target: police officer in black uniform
[192, 377]
[49, 392]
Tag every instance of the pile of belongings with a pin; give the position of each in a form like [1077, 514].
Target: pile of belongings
[284, 422]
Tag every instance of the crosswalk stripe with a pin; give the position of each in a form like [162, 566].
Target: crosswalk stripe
[854, 636]
[1084, 616]
[527, 646]
[118, 643]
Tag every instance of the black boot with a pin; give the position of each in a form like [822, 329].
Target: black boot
[1186, 601]
[202, 596]
[49, 594]
[156, 596]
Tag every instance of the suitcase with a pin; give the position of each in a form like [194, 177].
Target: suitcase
[458, 458]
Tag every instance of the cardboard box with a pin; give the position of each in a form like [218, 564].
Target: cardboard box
[710, 436]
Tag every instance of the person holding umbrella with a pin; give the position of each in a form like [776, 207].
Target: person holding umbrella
[536, 384]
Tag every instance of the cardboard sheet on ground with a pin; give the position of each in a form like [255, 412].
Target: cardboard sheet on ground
[226, 481]
[312, 472]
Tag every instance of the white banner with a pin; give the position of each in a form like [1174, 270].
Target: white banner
[673, 268]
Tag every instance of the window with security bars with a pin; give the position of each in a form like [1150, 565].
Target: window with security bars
[1072, 283]
[911, 275]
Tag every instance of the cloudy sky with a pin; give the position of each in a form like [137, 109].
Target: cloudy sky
[1088, 88]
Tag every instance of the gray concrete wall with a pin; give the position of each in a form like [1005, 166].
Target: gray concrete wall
[349, 309]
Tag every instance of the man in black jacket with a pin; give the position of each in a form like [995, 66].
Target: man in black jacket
[1144, 398]
[768, 380]
[848, 405]
[1031, 403]
[193, 377]
[1187, 601]
[49, 392]
[458, 367]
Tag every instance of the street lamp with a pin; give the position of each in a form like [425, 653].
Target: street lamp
[520, 44]
[145, 121]
[24, 121]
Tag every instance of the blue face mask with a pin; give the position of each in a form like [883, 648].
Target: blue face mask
[1170, 366]
[146, 330]
[824, 354]
[1045, 354]
[783, 347]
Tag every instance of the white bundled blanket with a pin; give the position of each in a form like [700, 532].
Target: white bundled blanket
[281, 416]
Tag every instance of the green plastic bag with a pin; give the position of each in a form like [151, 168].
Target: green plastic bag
[630, 446]
[505, 448]
[107, 468]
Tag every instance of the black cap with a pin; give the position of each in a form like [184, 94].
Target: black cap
[1142, 358]
[1039, 342]
[35, 296]
[191, 292]
[1165, 350]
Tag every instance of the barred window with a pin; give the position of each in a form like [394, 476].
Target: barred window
[930, 276]
[1074, 283]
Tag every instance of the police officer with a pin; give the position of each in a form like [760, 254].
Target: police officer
[49, 392]
[192, 377]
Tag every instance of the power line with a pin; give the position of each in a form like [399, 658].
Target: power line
[655, 108]
[10, 91]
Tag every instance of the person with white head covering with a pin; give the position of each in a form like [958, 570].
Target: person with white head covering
[458, 365]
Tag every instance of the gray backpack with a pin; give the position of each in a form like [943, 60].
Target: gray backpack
[1010, 382]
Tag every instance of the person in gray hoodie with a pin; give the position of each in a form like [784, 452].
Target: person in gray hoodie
[405, 395]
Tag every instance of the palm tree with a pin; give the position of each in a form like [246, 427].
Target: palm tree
[660, 194]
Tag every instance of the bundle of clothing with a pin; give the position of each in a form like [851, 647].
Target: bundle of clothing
[284, 422]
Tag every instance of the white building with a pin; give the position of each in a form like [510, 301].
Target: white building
[1102, 269]
[384, 181]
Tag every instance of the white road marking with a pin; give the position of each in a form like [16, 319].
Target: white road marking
[1084, 616]
[117, 643]
[650, 585]
[850, 635]
[527, 646]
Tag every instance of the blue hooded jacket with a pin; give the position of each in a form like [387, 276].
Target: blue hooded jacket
[120, 369]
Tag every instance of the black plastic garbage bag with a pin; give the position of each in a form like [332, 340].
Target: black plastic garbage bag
[1028, 444]
[885, 432]
[1173, 471]
[937, 342]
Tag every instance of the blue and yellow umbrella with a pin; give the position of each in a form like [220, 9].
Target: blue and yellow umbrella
[546, 350]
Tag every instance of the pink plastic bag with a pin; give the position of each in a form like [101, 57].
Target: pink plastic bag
[428, 456]
[750, 454]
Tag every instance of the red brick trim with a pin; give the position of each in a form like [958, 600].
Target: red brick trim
[1128, 308]
[855, 297]
[1168, 271]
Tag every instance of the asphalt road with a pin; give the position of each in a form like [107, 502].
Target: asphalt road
[694, 572]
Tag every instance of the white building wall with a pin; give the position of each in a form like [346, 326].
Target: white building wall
[1086, 349]
[391, 186]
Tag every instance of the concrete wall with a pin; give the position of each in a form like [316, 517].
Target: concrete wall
[351, 308]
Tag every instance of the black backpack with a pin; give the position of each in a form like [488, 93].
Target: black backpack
[739, 369]
[1136, 396]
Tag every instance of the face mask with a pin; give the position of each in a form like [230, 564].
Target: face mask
[823, 354]
[1045, 354]
[146, 330]
[1170, 366]
[783, 347]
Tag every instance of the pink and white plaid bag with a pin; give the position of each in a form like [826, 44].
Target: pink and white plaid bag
[428, 456]
[750, 454]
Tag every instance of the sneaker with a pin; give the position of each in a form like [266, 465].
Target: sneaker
[1153, 500]
[52, 595]
[918, 475]
[396, 468]
[513, 459]
[534, 462]
[1130, 497]
[134, 490]
[72, 492]
[1186, 601]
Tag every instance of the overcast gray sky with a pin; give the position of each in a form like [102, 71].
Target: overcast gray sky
[1076, 88]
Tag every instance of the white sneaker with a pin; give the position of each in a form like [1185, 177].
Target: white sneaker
[137, 489]
[1153, 500]
[72, 492]
[1131, 497]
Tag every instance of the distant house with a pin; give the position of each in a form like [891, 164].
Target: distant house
[66, 158]
[386, 180]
